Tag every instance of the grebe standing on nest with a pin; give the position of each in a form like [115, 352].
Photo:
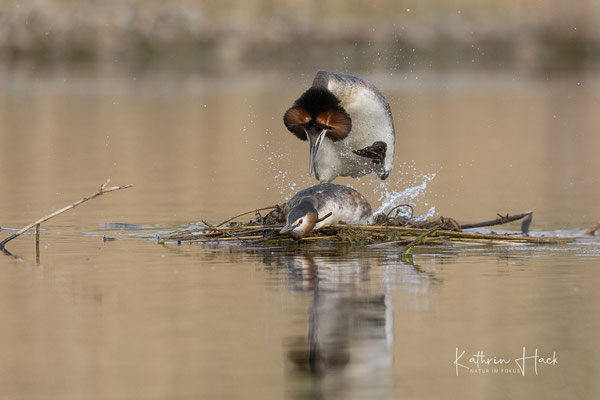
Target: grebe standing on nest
[348, 124]
[322, 204]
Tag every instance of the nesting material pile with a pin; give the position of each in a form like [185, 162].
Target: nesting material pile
[385, 230]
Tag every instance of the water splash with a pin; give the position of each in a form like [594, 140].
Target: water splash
[276, 162]
[414, 183]
[391, 198]
[286, 187]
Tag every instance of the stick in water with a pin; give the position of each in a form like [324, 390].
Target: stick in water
[103, 189]
[502, 219]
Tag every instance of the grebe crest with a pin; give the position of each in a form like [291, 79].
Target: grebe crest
[348, 124]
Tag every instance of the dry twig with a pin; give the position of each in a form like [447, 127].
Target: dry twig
[592, 230]
[502, 219]
[230, 234]
[103, 189]
[246, 213]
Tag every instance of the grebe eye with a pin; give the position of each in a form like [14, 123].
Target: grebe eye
[300, 222]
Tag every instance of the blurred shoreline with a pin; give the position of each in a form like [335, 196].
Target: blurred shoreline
[233, 34]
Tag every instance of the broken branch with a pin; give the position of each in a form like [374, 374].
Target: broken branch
[103, 189]
[502, 219]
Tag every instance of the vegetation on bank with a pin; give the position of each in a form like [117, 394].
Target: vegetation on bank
[223, 33]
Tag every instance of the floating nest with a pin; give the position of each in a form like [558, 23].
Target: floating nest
[387, 229]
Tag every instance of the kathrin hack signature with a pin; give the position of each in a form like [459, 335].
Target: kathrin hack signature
[480, 363]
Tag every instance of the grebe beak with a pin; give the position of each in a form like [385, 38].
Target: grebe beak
[288, 228]
[315, 137]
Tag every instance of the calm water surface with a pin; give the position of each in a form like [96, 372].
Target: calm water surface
[132, 319]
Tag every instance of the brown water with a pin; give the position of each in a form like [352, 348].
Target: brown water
[132, 319]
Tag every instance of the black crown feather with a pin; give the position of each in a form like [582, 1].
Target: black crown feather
[317, 99]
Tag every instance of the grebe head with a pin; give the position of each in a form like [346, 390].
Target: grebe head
[314, 115]
[301, 219]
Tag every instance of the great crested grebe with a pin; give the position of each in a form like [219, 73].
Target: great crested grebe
[348, 124]
[325, 203]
